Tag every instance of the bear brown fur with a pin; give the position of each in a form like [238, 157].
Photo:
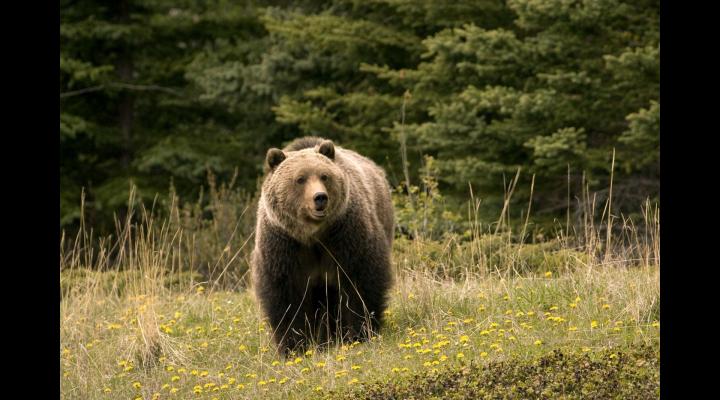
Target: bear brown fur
[321, 263]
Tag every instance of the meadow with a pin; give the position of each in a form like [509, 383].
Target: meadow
[477, 314]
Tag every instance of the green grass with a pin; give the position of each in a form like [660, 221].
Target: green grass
[607, 374]
[213, 344]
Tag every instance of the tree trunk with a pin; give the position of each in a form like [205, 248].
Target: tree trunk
[125, 108]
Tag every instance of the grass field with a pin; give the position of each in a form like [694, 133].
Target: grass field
[481, 318]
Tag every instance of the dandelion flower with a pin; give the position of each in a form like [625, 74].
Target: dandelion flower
[537, 342]
[460, 355]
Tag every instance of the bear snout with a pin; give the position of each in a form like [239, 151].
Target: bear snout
[321, 200]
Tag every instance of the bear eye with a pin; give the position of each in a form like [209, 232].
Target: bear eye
[324, 177]
[300, 180]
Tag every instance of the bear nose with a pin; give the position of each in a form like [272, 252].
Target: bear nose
[321, 200]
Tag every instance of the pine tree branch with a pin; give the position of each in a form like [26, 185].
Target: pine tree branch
[82, 91]
[121, 85]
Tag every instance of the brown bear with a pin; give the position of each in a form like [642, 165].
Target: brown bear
[321, 263]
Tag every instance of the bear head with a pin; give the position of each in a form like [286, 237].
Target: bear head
[304, 190]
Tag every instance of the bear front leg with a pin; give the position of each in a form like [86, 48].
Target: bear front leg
[274, 260]
[364, 311]
[283, 307]
[365, 291]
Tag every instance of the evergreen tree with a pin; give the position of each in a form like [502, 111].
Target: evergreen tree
[153, 90]
[133, 78]
[554, 89]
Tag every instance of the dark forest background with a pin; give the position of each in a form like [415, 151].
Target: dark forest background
[164, 94]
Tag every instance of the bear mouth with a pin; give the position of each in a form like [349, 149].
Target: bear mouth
[318, 215]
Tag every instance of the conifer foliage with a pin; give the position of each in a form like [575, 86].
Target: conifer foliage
[155, 90]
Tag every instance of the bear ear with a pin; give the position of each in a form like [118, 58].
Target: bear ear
[273, 158]
[327, 148]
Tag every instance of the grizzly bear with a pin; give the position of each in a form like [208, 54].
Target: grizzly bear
[321, 263]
